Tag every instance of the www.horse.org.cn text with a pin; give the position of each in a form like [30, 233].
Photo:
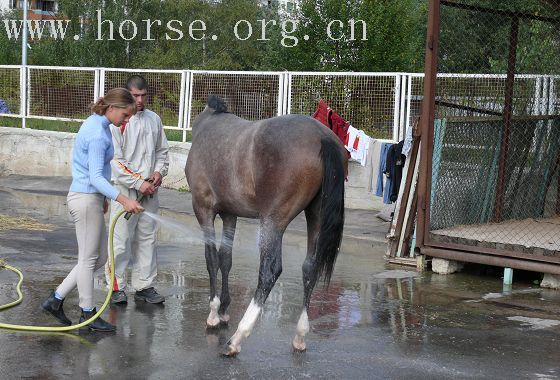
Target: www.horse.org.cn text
[285, 33]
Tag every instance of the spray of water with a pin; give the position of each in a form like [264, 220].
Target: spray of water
[192, 235]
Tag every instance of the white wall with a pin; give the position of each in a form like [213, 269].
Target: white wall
[47, 153]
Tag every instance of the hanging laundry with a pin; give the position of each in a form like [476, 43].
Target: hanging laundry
[339, 126]
[332, 120]
[323, 113]
[383, 191]
[357, 143]
[394, 167]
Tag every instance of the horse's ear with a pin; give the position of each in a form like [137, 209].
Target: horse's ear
[217, 104]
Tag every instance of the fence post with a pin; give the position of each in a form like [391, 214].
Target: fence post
[27, 93]
[289, 85]
[538, 96]
[101, 82]
[285, 100]
[543, 98]
[182, 106]
[408, 100]
[396, 105]
[188, 102]
[402, 109]
[96, 85]
[23, 94]
[280, 101]
[551, 96]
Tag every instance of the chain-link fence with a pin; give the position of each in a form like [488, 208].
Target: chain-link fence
[369, 102]
[496, 138]
[60, 94]
[164, 95]
[10, 90]
[381, 104]
[252, 96]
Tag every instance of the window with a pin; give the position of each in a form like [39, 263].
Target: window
[21, 4]
[48, 6]
[290, 6]
[13, 4]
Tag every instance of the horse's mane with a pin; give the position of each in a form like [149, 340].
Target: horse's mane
[217, 104]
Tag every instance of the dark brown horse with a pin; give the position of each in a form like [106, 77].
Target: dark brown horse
[270, 170]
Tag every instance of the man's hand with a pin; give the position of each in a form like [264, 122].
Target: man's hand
[147, 188]
[156, 179]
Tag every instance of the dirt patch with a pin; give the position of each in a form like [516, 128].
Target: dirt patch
[8, 222]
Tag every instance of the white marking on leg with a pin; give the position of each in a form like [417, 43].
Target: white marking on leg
[245, 326]
[213, 319]
[301, 330]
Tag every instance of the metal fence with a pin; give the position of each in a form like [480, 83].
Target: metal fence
[382, 104]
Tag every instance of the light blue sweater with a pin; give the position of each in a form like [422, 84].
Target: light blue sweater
[93, 152]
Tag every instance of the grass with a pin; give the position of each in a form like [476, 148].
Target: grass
[72, 127]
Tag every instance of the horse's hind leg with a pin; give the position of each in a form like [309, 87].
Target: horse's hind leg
[308, 268]
[224, 256]
[206, 219]
[270, 244]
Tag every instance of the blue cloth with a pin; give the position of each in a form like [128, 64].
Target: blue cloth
[91, 161]
[380, 192]
[4, 107]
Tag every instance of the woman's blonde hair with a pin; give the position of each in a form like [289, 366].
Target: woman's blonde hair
[116, 97]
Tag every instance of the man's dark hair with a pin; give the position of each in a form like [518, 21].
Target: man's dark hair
[136, 81]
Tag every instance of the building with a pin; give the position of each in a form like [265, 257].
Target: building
[285, 7]
[37, 9]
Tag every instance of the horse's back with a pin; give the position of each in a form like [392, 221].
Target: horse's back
[255, 168]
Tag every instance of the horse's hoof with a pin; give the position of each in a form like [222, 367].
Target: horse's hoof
[230, 351]
[212, 323]
[298, 346]
[224, 319]
[212, 327]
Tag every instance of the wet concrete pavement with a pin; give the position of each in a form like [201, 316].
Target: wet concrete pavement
[375, 321]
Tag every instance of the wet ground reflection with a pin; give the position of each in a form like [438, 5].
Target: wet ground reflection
[373, 321]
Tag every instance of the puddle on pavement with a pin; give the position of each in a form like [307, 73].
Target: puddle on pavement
[368, 311]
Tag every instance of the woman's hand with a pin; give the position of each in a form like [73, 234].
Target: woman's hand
[130, 205]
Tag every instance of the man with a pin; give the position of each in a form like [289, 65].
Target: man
[140, 162]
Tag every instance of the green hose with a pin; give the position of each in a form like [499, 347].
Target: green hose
[61, 328]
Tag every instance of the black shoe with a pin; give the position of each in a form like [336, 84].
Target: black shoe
[53, 306]
[149, 295]
[119, 297]
[98, 324]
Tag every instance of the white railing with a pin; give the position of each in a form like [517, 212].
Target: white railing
[383, 103]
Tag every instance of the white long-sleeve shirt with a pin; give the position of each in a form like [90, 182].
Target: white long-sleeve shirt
[141, 149]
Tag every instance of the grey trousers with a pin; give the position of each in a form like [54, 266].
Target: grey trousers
[135, 243]
[87, 212]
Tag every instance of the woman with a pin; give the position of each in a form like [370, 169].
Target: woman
[87, 202]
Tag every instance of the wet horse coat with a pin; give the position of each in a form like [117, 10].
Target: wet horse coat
[270, 170]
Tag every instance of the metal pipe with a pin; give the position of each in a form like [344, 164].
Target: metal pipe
[24, 66]
[427, 121]
[508, 106]
[498, 261]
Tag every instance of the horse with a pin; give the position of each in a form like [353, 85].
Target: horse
[270, 170]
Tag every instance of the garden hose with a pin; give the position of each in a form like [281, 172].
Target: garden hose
[4, 265]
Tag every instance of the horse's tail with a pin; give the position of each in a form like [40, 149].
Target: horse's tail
[332, 209]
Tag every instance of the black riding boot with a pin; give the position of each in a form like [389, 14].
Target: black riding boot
[53, 306]
[98, 324]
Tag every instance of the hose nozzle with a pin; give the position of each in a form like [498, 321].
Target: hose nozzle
[139, 199]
